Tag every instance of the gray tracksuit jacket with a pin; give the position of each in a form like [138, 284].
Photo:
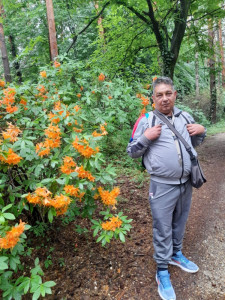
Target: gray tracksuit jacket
[160, 156]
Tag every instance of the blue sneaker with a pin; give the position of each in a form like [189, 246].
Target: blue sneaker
[165, 288]
[181, 261]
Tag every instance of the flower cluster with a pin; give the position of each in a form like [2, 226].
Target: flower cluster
[10, 158]
[11, 132]
[108, 198]
[114, 223]
[83, 148]
[68, 166]
[42, 196]
[42, 93]
[9, 100]
[103, 131]
[74, 191]
[12, 236]
[101, 77]
[52, 141]
[84, 174]
[56, 64]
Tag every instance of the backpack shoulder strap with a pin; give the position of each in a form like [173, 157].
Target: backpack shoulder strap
[185, 118]
[151, 119]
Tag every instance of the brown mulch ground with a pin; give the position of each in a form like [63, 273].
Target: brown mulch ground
[84, 270]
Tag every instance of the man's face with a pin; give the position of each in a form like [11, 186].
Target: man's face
[164, 98]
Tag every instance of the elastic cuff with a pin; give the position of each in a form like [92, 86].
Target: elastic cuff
[162, 266]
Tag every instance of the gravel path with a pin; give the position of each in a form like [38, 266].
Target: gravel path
[205, 235]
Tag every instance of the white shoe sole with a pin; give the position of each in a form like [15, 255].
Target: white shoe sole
[183, 268]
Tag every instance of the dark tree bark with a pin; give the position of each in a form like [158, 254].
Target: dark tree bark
[14, 54]
[5, 59]
[212, 75]
[52, 31]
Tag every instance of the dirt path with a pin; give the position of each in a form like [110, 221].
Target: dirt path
[127, 271]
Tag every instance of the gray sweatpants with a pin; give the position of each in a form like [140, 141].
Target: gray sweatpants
[170, 206]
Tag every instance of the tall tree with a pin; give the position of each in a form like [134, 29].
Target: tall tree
[212, 74]
[221, 52]
[52, 31]
[5, 59]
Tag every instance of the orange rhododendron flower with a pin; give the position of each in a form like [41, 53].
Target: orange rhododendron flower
[110, 97]
[43, 74]
[101, 77]
[11, 133]
[68, 166]
[53, 118]
[11, 109]
[12, 236]
[79, 95]
[84, 174]
[145, 101]
[93, 92]
[71, 190]
[2, 83]
[109, 198]
[81, 88]
[11, 159]
[153, 105]
[56, 64]
[154, 78]
[84, 150]
[143, 111]
[114, 223]
[76, 107]
[23, 101]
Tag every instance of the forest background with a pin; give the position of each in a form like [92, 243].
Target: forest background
[75, 77]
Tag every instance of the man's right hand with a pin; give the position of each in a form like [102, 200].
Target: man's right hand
[153, 133]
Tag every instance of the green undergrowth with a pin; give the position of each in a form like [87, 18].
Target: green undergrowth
[216, 128]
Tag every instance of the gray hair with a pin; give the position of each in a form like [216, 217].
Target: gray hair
[162, 79]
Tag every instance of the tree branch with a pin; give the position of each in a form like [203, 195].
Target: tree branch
[155, 25]
[139, 15]
[86, 27]
[180, 27]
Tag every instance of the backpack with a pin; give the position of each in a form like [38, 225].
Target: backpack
[151, 120]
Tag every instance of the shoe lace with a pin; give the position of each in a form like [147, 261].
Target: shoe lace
[165, 281]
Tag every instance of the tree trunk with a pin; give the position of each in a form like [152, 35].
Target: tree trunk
[196, 76]
[14, 54]
[52, 32]
[221, 52]
[5, 59]
[212, 74]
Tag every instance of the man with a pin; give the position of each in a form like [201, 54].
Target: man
[168, 162]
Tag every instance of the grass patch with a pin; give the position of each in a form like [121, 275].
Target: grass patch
[216, 128]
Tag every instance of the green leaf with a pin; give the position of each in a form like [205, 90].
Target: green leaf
[96, 231]
[49, 284]
[3, 264]
[122, 237]
[8, 216]
[6, 207]
[36, 294]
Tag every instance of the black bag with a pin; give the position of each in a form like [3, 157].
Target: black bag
[197, 176]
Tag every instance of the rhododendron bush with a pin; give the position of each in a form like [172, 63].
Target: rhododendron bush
[50, 155]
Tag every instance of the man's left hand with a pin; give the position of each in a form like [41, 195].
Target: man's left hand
[195, 129]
